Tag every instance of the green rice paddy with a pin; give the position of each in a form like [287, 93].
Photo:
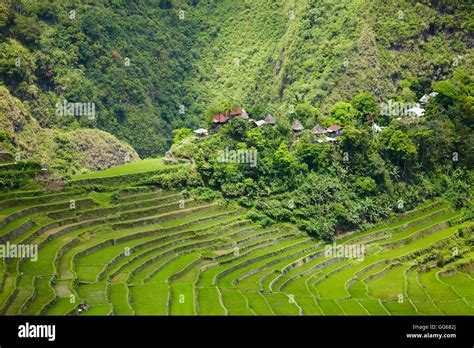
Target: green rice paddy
[141, 252]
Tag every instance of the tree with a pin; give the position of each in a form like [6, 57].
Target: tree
[401, 148]
[120, 113]
[307, 152]
[4, 15]
[180, 134]
[344, 113]
[468, 111]
[408, 95]
[16, 63]
[308, 114]
[356, 143]
[365, 185]
[286, 164]
[26, 29]
[236, 128]
[447, 93]
[418, 85]
[367, 107]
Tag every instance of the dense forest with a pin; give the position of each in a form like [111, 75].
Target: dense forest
[152, 66]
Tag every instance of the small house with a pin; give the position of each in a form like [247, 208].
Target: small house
[297, 127]
[416, 111]
[223, 117]
[318, 130]
[270, 120]
[376, 128]
[334, 131]
[239, 112]
[220, 118]
[424, 99]
[201, 132]
[260, 123]
[427, 97]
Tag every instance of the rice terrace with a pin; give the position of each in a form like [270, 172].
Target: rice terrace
[236, 158]
[149, 251]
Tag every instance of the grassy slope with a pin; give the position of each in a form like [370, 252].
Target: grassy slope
[147, 165]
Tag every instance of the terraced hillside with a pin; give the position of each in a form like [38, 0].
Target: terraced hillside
[149, 251]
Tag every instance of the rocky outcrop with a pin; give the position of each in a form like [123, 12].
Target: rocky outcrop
[71, 151]
[100, 150]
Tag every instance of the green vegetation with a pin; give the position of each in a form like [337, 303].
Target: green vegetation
[364, 176]
[299, 217]
[151, 68]
[144, 166]
[145, 251]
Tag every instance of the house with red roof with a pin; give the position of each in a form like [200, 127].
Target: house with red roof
[239, 112]
[334, 130]
[223, 117]
[220, 118]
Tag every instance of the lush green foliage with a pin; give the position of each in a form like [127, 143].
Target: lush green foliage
[211, 226]
[327, 187]
[153, 68]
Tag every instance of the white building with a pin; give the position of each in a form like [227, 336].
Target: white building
[201, 132]
[260, 123]
[377, 128]
[416, 111]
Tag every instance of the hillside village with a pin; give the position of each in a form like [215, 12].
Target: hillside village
[328, 134]
[324, 134]
[240, 158]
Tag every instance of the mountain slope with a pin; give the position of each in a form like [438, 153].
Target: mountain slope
[324, 51]
[152, 67]
[63, 151]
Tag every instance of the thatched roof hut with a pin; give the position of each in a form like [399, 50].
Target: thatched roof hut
[318, 130]
[297, 126]
[270, 120]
